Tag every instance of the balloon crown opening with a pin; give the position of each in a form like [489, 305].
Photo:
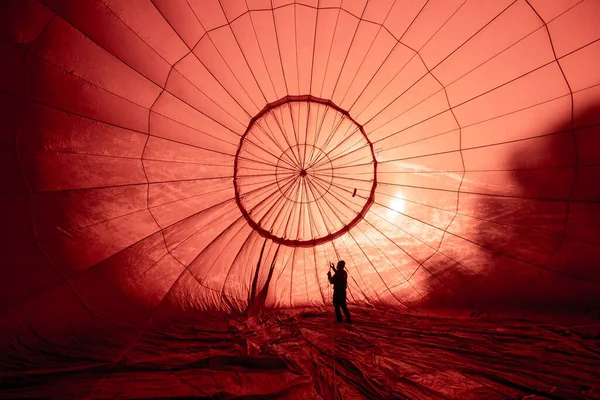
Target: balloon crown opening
[292, 171]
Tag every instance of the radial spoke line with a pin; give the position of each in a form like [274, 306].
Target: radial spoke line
[484, 121]
[344, 203]
[314, 232]
[201, 112]
[289, 205]
[318, 126]
[283, 200]
[314, 251]
[348, 189]
[502, 196]
[262, 181]
[368, 259]
[71, 73]
[331, 158]
[173, 247]
[414, 55]
[407, 306]
[325, 203]
[328, 184]
[376, 74]
[287, 89]
[299, 231]
[224, 296]
[332, 132]
[336, 177]
[345, 167]
[398, 42]
[245, 167]
[262, 56]
[320, 129]
[209, 98]
[257, 124]
[331, 206]
[191, 51]
[439, 63]
[255, 175]
[242, 52]
[336, 127]
[349, 175]
[290, 167]
[273, 166]
[296, 48]
[414, 259]
[473, 216]
[434, 249]
[212, 192]
[367, 53]
[456, 129]
[406, 280]
[168, 252]
[284, 134]
[154, 233]
[311, 184]
[220, 253]
[329, 52]
[304, 164]
[466, 101]
[487, 248]
[296, 134]
[367, 298]
[261, 197]
[256, 192]
[322, 212]
[271, 203]
[186, 125]
[268, 130]
[326, 154]
[270, 135]
[366, 159]
[257, 183]
[260, 144]
[286, 190]
[312, 61]
[337, 81]
[290, 210]
[267, 202]
[207, 34]
[350, 131]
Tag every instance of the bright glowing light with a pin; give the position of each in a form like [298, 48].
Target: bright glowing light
[397, 205]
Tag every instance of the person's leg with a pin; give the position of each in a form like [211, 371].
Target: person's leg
[338, 312]
[346, 311]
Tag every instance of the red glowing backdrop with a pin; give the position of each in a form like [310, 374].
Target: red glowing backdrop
[173, 155]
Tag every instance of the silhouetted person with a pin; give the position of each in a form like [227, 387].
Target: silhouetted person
[339, 280]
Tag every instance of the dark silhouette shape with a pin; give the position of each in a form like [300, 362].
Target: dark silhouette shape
[339, 280]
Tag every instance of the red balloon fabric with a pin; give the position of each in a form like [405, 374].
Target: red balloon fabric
[168, 158]
[161, 156]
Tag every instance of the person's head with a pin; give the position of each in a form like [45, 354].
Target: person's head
[341, 264]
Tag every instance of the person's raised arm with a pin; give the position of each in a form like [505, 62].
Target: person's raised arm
[329, 273]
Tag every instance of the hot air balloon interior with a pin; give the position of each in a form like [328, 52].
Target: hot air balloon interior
[179, 175]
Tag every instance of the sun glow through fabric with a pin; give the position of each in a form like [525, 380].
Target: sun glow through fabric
[175, 154]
